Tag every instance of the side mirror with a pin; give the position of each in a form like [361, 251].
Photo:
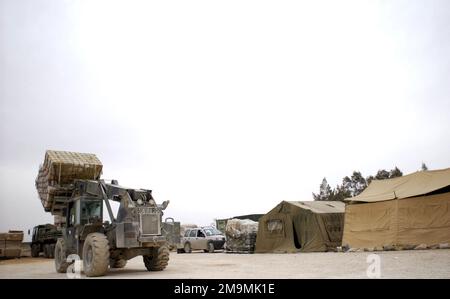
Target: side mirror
[164, 204]
[28, 231]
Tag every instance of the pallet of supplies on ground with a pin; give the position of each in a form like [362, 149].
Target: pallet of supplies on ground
[241, 235]
[11, 243]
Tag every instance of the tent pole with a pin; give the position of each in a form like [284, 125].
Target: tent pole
[59, 175]
[396, 219]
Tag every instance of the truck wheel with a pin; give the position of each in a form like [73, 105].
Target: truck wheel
[118, 263]
[46, 251]
[52, 250]
[187, 247]
[35, 250]
[158, 260]
[95, 255]
[211, 247]
[61, 263]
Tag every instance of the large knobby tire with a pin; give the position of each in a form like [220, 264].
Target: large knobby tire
[61, 263]
[35, 250]
[187, 247]
[159, 259]
[117, 263]
[95, 255]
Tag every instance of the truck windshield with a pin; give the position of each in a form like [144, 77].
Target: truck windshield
[212, 231]
[90, 209]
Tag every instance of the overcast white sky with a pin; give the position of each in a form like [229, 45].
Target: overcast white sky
[222, 107]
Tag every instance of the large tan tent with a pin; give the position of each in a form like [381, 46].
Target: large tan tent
[301, 226]
[404, 211]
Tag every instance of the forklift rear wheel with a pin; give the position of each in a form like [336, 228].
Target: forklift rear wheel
[158, 260]
[61, 263]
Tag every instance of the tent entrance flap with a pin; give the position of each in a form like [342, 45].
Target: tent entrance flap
[297, 242]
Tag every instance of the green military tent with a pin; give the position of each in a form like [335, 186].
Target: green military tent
[301, 226]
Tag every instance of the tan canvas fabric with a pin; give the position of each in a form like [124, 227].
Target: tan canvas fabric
[301, 227]
[414, 184]
[370, 224]
[320, 207]
[410, 221]
[424, 220]
[275, 234]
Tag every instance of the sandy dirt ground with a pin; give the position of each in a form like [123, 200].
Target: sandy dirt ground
[393, 264]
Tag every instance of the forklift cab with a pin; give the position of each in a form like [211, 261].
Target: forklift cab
[84, 210]
[83, 214]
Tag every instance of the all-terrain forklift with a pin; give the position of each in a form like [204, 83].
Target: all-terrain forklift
[102, 244]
